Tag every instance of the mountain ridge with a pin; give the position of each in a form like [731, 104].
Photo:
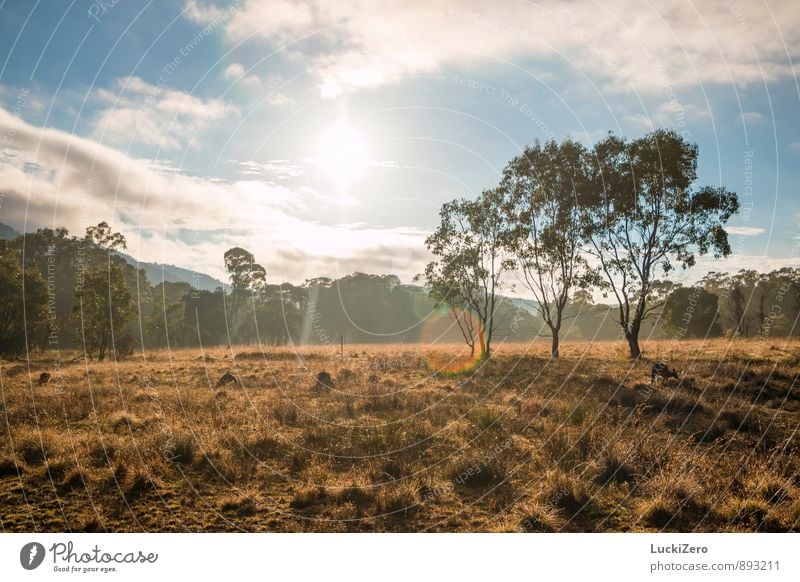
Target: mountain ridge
[156, 272]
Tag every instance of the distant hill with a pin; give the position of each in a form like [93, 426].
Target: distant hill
[7, 233]
[528, 305]
[159, 272]
[156, 272]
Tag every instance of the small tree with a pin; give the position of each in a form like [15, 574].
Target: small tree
[642, 214]
[458, 300]
[543, 187]
[470, 246]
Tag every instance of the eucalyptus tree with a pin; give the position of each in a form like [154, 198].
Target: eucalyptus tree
[544, 187]
[470, 247]
[248, 280]
[104, 303]
[643, 213]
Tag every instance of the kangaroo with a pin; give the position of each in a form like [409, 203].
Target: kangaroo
[661, 369]
[44, 378]
[227, 378]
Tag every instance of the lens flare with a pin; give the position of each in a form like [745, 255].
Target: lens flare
[441, 329]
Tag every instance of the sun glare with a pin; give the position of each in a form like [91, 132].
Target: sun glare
[341, 154]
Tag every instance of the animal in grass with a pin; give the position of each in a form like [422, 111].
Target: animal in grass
[660, 369]
[227, 378]
[44, 378]
[324, 380]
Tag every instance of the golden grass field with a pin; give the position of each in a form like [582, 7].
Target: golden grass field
[520, 443]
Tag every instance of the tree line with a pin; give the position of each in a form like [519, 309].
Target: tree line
[63, 292]
[77, 293]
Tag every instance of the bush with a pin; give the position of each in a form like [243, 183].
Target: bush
[243, 504]
[307, 497]
[9, 467]
[485, 418]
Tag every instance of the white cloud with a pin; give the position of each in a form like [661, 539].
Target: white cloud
[272, 170]
[751, 117]
[651, 47]
[163, 166]
[139, 112]
[269, 88]
[200, 13]
[744, 230]
[236, 73]
[78, 182]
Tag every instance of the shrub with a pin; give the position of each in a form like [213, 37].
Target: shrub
[486, 418]
[286, 413]
[9, 467]
[614, 469]
[35, 448]
[183, 450]
[307, 497]
[243, 504]
[657, 512]
[399, 501]
[540, 519]
[124, 421]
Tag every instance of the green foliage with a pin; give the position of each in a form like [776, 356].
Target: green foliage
[692, 312]
[246, 275]
[103, 298]
[543, 187]
[564, 220]
[757, 304]
[641, 214]
[248, 279]
[103, 237]
[471, 250]
[104, 307]
[23, 303]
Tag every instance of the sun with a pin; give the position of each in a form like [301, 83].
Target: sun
[342, 154]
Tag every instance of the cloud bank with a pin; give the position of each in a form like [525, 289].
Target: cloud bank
[638, 46]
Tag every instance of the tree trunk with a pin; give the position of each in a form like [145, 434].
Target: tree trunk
[484, 345]
[102, 352]
[633, 343]
[554, 348]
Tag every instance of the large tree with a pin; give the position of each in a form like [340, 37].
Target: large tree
[644, 213]
[470, 247]
[103, 294]
[543, 188]
[248, 279]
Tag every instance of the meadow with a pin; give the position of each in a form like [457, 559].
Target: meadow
[408, 438]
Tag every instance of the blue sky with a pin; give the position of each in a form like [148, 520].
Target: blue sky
[196, 126]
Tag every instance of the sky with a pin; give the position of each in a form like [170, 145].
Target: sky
[324, 137]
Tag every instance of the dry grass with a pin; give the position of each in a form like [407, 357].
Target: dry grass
[402, 443]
